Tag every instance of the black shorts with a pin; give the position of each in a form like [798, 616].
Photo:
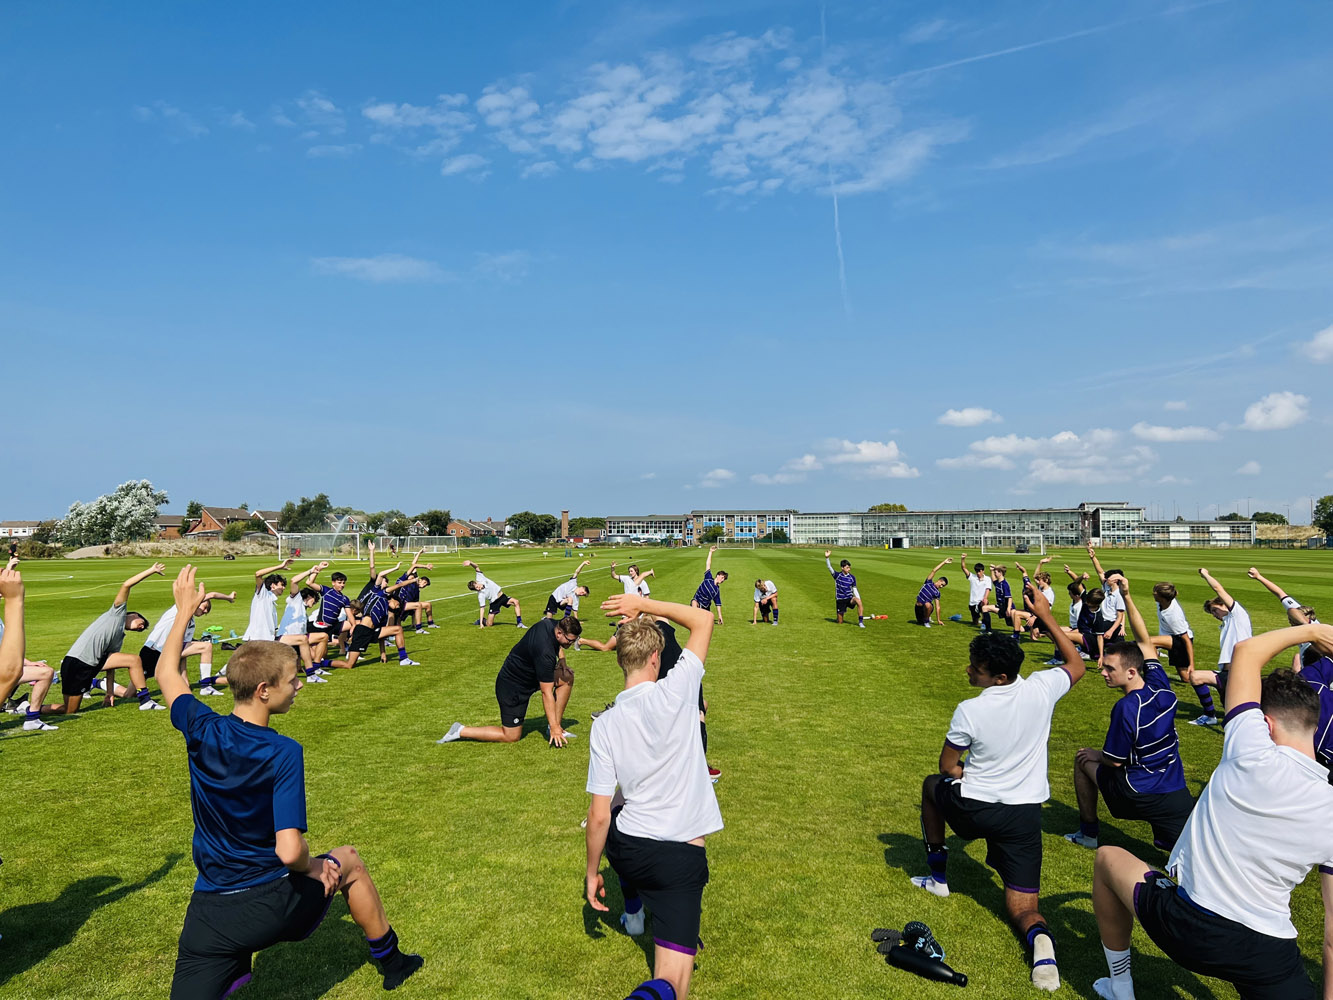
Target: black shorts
[148, 657]
[362, 637]
[224, 929]
[1012, 833]
[1179, 654]
[923, 613]
[1002, 606]
[845, 603]
[500, 603]
[1259, 966]
[1166, 812]
[319, 628]
[76, 677]
[670, 877]
[513, 703]
[554, 607]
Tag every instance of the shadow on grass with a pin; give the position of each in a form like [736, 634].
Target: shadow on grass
[306, 970]
[596, 924]
[1057, 817]
[33, 931]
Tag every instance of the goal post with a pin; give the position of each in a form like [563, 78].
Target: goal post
[431, 544]
[734, 543]
[1010, 543]
[332, 545]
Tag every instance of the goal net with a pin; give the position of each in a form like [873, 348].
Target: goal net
[735, 543]
[323, 545]
[433, 544]
[999, 543]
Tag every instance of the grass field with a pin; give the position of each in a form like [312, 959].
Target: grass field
[823, 735]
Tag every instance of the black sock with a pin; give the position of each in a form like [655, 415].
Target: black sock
[385, 949]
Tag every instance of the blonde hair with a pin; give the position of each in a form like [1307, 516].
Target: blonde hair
[258, 662]
[636, 641]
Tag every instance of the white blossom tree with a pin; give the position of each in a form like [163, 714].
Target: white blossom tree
[125, 515]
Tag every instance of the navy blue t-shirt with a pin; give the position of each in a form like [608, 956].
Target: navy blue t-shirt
[411, 592]
[376, 606]
[1142, 735]
[709, 593]
[1319, 675]
[246, 783]
[331, 604]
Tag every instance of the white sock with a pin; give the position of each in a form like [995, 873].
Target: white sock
[1042, 947]
[1122, 982]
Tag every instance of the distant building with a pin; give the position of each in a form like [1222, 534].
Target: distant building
[212, 520]
[267, 518]
[167, 526]
[651, 527]
[18, 529]
[737, 523]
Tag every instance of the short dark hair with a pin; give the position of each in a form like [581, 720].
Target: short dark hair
[273, 578]
[723, 573]
[473, 585]
[1164, 591]
[1290, 700]
[135, 614]
[1096, 596]
[339, 577]
[996, 654]
[1129, 653]
[1213, 602]
[423, 581]
[570, 626]
[944, 581]
[1113, 572]
[309, 594]
[845, 563]
[1074, 587]
[977, 568]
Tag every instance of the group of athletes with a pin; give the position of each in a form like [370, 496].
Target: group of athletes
[1220, 907]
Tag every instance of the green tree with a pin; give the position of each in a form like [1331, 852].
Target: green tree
[398, 526]
[1233, 516]
[888, 508]
[46, 532]
[436, 521]
[1180, 518]
[537, 527]
[580, 525]
[778, 536]
[1323, 515]
[235, 531]
[306, 514]
[125, 515]
[1269, 517]
[711, 534]
[194, 510]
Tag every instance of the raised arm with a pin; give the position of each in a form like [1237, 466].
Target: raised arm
[1141, 634]
[474, 566]
[582, 566]
[123, 594]
[1042, 609]
[1245, 682]
[261, 573]
[370, 547]
[294, 584]
[188, 594]
[698, 621]
[1218, 589]
[828, 561]
[643, 576]
[940, 565]
[217, 595]
[708, 563]
[12, 644]
[1096, 563]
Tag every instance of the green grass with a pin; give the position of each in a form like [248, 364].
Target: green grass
[823, 735]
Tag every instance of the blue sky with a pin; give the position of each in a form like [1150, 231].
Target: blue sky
[634, 257]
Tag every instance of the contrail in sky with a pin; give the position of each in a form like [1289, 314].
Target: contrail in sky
[833, 189]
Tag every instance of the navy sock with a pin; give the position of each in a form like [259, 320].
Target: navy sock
[384, 949]
[1035, 931]
[519, 621]
[31, 715]
[206, 681]
[937, 858]
[775, 614]
[309, 671]
[402, 654]
[1090, 829]
[633, 904]
[653, 989]
[1205, 699]
[985, 620]
[141, 695]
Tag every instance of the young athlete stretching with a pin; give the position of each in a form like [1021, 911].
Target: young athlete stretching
[646, 747]
[929, 597]
[38, 673]
[564, 600]
[978, 593]
[152, 647]
[491, 598]
[269, 583]
[997, 794]
[709, 591]
[845, 593]
[98, 650]
[1235, 628]
[634, 582]
[1297, 614]
[1223, 908]
[258, 883]
[1138, 770]
[765, 601]
[536, 663]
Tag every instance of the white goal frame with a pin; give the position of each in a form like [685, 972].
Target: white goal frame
[430, 544]
[729, 542]
[331, 545]
[1004, 542]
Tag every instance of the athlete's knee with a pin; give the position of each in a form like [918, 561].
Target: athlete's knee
[928, 786]
[511, 735]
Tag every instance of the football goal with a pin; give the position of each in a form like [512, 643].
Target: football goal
[735, 543]
[432, 544]
[1000, 543]
[321, 545]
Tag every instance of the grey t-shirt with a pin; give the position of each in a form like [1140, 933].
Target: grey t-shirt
[102, 638]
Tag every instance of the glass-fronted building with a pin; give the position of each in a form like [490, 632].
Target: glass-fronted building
[624, 528]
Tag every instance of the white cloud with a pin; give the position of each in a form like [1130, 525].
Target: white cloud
[467, 163]
[1319, 348]
[1158, 433]
[333, 151]
[237, 119]
[1276, 412]
[649, 475]
[320, 113]
[543, 168]
[968, 416]
[973, 461]
[179, 123]
[1250, 468]
[389, 268]
[1175, 405]
[876, 459]
[717, 477]
[926, 31]
[730, 48]
[1174, 480]
[502, 108]
[511, 265]
[793, 471]
[1093, 458]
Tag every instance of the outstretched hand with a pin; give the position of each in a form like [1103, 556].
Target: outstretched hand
[1252, 573]
[827, 553]
[158, 568]
[596, 892]
[623, 605]
[11, 583]
[188, 594]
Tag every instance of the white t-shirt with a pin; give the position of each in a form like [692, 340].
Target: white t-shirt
[1291, 604]
[1171, 620]
[1114, 605]
[163, 629]
[1260, 825]
[1005, 730]
[564, 594]
[648, 743]
[768, 591]
[1049, 594]
[976, 588]
[1075, 609]
[628, 583]
[293, 616]
[489, 591]
[1236, 628]
[263, 616]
